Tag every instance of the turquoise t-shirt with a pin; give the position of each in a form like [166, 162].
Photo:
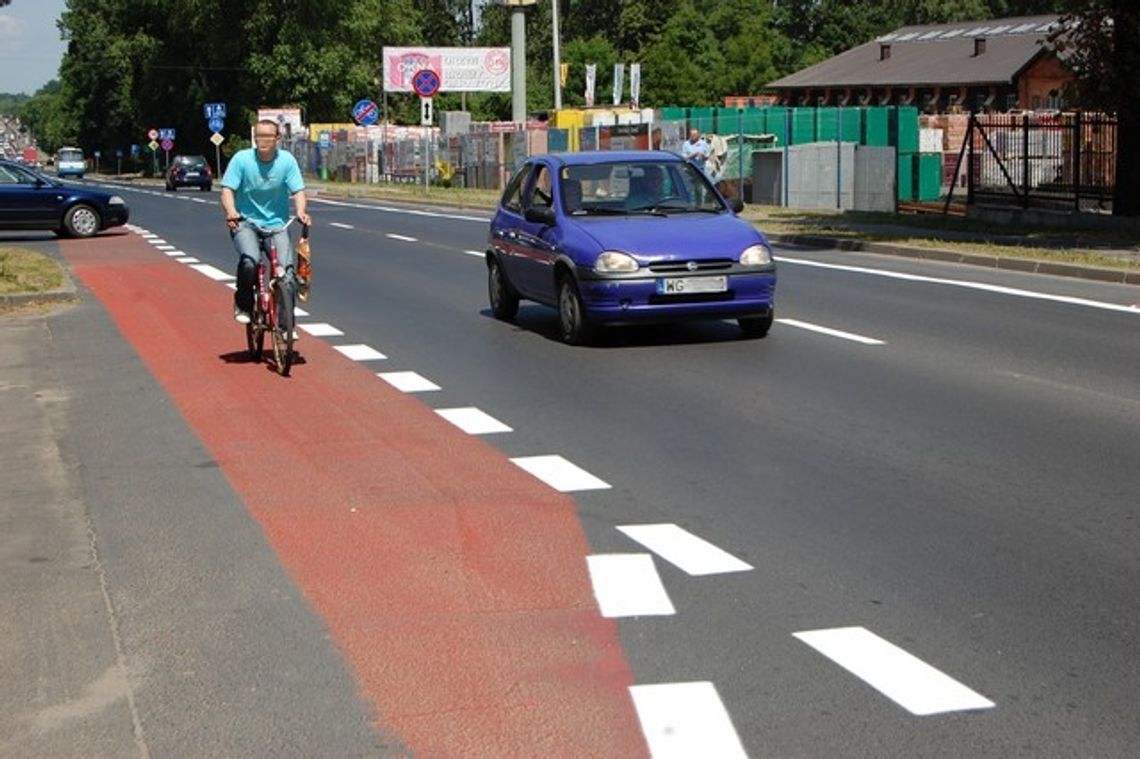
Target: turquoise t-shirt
[261, 188]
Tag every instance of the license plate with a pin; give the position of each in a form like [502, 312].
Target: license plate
[688, 285]
[191, 174]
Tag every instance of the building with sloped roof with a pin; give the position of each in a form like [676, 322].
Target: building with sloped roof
[996, 65]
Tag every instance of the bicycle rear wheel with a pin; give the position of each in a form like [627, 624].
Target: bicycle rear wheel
[283, 297]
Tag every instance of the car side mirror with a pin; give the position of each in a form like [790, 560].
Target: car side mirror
[540, 215]
[736, 204]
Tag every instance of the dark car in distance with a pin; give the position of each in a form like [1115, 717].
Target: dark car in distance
[30, 200]
[189, 171]
[623, 237]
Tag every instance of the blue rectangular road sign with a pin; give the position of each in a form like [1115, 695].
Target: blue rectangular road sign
[214, 110]
[166, 133]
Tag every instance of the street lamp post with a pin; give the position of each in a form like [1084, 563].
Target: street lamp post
[557, 58]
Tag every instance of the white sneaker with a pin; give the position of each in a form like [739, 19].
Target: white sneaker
[241, 317]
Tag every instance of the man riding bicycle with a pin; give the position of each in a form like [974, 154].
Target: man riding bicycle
[256, 189]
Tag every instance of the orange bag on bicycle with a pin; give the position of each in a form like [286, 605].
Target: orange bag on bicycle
[304, 266]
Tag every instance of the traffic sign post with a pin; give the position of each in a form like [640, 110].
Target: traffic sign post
[426, 83]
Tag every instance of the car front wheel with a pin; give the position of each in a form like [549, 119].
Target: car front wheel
[574, 329]
[81, 221]
[504, 303]
[757, 326]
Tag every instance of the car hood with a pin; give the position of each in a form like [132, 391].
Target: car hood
[681, 236]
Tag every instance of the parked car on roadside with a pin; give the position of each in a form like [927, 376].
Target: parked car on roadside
[620, 237]
[189, 171]
[31, 200]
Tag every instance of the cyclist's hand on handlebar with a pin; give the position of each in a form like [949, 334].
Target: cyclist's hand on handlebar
[305, 219]
[232, 222]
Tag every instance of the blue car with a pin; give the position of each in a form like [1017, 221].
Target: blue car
[622, 238]
[30, 200]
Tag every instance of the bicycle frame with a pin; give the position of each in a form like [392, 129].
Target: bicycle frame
[273, 306]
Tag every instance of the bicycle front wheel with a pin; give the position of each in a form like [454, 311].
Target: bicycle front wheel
[254, 340]
[283, 298]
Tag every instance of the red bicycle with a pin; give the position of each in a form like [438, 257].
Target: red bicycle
[273, 302]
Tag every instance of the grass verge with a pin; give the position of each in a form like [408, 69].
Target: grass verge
[26, 271]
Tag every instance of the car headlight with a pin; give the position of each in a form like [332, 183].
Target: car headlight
[756, 255]
[612, 261]
[116, 201]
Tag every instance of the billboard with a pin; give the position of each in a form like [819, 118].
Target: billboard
[460, 69]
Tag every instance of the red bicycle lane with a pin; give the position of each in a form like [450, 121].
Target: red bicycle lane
[453, 582]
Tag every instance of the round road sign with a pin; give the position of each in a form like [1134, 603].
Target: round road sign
[365, 112]
[153, 134]
[425, 82]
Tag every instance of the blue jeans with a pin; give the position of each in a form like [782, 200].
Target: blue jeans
[247, 241]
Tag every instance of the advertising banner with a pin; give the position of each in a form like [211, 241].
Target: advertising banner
[460, 69]
[591, 81]
[635, 85]
[619, 81]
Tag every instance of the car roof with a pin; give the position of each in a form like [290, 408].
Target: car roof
[587, 157]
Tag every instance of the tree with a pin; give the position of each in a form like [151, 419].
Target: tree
[1098, 40]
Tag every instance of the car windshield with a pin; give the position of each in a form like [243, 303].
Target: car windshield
[70, 154]
[191, 160]
[637, 188]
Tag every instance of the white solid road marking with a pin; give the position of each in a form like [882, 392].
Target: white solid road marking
[321, 329]
[408, 382]
[683, 720]
[832, 332]
[908, 681]
[403, 211]
[213, 273]
[627, 585]
[360, 352]
[969, 285]
[338, 225]
[683, 549]
[401, 238]
[473, 421]
[559, 473]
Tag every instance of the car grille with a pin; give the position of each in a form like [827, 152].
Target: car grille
[686, 267]
[692, 298]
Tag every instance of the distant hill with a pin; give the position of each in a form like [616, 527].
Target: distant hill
[10, 104]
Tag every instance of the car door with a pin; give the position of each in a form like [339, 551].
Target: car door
[26, 200]
[536, 252]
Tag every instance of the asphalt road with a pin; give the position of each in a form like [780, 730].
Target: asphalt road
[928, 464]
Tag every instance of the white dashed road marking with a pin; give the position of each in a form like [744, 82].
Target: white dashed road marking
[321, 329]
[187, 260]
[408, 382]
[339, 225]
[473, 421]
[477, 253]
[684, 550]
[213, 273]
[682, 720]
[905, 679]
[560, 474]
[360, 352]
[401, 238]
[832, 332]
[627, 585]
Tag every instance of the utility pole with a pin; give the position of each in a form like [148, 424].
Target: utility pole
[518, 57]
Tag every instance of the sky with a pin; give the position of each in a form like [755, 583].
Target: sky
[30, 47]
